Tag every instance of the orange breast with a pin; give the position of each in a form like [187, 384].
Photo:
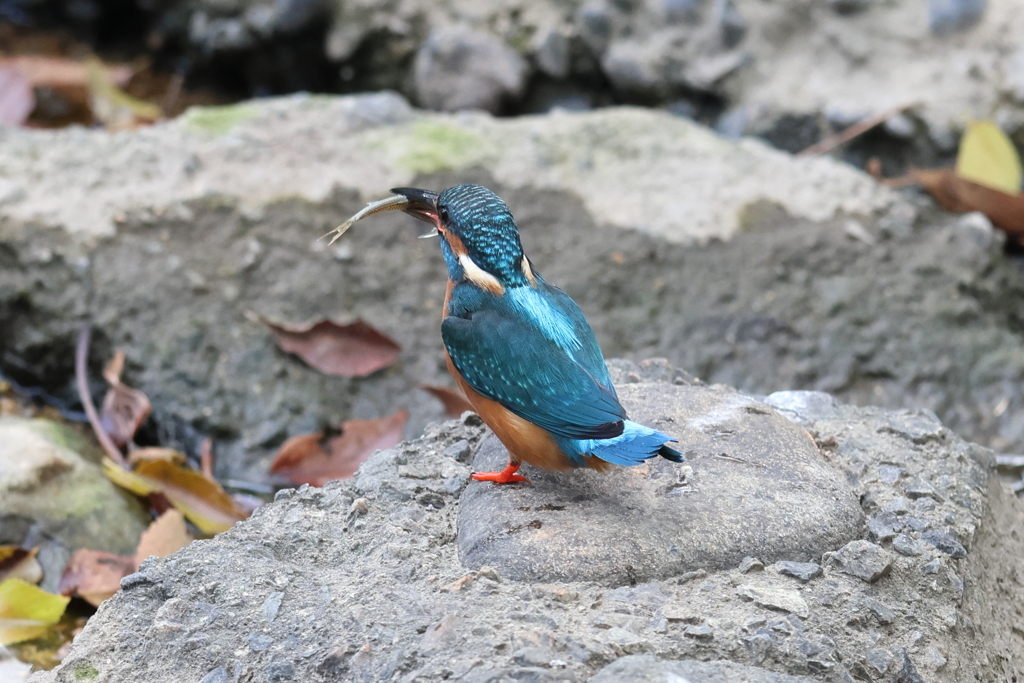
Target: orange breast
[524, 440]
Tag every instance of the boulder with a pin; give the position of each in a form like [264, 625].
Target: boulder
[54, 496]
[364, 579]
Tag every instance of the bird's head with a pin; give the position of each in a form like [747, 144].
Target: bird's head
[479, 237]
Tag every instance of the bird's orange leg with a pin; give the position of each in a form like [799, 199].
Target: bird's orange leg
[506, 476]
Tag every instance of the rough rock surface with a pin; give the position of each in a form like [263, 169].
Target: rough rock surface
[625, 164]
[871, 307]
[53, 495]
[612, 529]
[362, 580]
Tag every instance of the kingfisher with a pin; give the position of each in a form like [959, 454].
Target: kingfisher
[521, 349]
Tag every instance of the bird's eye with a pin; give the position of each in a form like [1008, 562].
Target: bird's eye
[442, 212]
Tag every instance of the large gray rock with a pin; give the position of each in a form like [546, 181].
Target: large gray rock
[753, 484]
[362, 580]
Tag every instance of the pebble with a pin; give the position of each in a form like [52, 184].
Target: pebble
[884, 615]
[805, 571]
[750, 564]
[878, 661]
[700, 631]
[775, 598]
[905, 545]
[862, 559]
[459, 68]
[945, 542]
[271, 606]
[884, 527]
[949, 16]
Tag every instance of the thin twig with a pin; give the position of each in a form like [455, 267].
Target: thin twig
[81, 359]
[859, 128]
[206, 458]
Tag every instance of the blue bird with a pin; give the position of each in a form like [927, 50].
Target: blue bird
[521, 349]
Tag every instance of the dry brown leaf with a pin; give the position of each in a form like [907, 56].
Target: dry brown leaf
[17, 99]
[18, 563]
[94, 575]
[165, 536]
[960, 196]
[317, 458]
[353, 350]
[124, 410]
[61, 73]
[455, 403]
[156, 453]
[204, 502]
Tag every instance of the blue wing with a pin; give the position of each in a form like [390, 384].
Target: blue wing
[526, 360]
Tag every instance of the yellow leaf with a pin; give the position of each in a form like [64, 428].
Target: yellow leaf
[26, 611]
[127, 479]
[987, 157]
[204, 502]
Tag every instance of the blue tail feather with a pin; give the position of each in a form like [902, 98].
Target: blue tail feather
[636, 444]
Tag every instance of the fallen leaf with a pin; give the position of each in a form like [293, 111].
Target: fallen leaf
[26, 611]
[988, 158]
[94, 575]
[165, 536]
[62, 73]
[318, 458]
[455, 403]
[202, 501]
[123, 412]
[111, 105]
[353, 350]
[156, 453]
[961, 196]
[18, 563]
[17, 99]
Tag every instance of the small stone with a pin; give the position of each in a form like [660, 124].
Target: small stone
[486, 572]
[884, 527]
[949, 16]
[552, 53]
[259, 641]
[862, 559]
[459, 451]
[805, 571]
[932, 567]
[905, 545]
[700, 631]
[775, 598]
[884, 615]
[889, 474]
[280, 671]
[945, 542]
[916, 524]
[918, 488]
[218, 675]
[900, 506]
[730, 22]
[460, 68]
[907, 672]
[918, 427]
[878, 661]
[271, 605]
[750, 564]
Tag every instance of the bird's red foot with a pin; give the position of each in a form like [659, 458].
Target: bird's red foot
[506, 476]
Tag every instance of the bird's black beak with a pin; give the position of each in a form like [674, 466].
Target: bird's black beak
[422, 203]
